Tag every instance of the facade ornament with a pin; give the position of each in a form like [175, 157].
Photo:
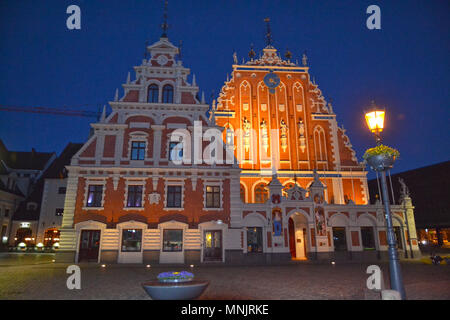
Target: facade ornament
[246, 127]
[305, 60]
[264, 135]
[154, 198]
[283, 127]
[235, 59]
[116, 96]
[301, 134]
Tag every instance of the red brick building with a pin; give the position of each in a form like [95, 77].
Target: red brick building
[296, 190]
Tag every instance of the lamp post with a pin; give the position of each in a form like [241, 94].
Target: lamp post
[381, 162]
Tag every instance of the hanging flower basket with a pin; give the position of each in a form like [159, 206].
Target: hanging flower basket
[175, 286]
[381, 157]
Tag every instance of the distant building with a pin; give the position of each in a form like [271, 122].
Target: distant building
[19, 173]
[37, 219]
[429, 187]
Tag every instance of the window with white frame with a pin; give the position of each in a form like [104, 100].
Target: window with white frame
[175, 151]
[138, 150]
[94, 197]
[212, 196]
[134, 199]
[174, 196]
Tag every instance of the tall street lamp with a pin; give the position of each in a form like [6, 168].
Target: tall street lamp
[380, 159]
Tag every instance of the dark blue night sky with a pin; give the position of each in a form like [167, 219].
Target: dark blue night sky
[403, 67]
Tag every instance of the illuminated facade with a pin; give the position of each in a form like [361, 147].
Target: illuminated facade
[297, 190]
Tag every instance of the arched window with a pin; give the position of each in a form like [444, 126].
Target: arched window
[153, 93]
[167, 94]
[261, 193]
[242, 193]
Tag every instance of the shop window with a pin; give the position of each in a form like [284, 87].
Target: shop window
[254, 239]
[95, 193]
[131, 240]
[368, 239]
[51, 236]
[172, 240]
[174, 196]
[137, 150]
[213, 197]
[134, 196]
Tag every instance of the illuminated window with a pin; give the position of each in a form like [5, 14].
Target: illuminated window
[254, 239]
[153, 93]
[213, 197]
[62, 190]
[137, 150]
[173, 240]
[261, 193]
[134, 196]
[59, 212]
[167, 94]
[94, 198]
[131, 240]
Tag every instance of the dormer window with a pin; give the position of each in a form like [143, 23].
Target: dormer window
[153, 93]
[167, 94]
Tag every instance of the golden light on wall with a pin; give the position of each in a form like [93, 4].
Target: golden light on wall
[375, 120]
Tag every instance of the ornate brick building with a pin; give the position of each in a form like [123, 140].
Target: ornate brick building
[296, 190]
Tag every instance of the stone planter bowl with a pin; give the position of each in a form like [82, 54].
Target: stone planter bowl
[181, 290]
[381, 162]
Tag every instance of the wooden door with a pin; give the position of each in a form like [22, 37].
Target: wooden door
[89, 245]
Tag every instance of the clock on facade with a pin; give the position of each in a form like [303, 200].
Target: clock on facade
[162, 60]
[271, 80]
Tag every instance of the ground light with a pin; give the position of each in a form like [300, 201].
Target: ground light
[103, 265]
[148, 266]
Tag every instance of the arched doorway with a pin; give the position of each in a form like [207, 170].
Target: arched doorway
[298, 226]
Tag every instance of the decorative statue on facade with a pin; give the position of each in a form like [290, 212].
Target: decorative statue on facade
[276, 222]
[320, 216]
[404, 191]
[283, 127]
[246, 126]
[301, 134]
[264, 135]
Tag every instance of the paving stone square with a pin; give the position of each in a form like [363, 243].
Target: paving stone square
[37, 277]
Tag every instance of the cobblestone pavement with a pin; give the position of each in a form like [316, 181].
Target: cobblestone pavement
[300, 281]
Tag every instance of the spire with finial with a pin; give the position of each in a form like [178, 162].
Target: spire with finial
[180, 45]
[251, 53]
[203, 97]
[269, 40]
[116, 96]
[164, 25]
[128, 78]
[305, 59]
[330, 106]
[194, 83]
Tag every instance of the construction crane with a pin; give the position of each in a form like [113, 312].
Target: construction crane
[55, 111]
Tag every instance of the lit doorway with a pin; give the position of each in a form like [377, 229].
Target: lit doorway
[297, 237]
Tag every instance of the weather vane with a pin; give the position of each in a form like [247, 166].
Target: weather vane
[268, 34]
[164, 25]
